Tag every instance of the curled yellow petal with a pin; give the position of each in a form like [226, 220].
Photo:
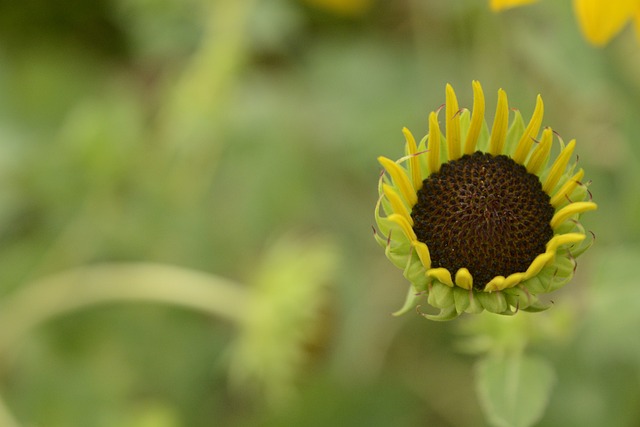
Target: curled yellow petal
[539, 263]
[404, 225]
[433, 153]
[513, 279]
[568, 211]
[500, 124]
[527, 139]
[558, 167]
[453, 124]
[423, 253]
[397, 204]
[400, 179]
[539, 157]
[564, 239]
[566, 190]
[477, 118]
[495, 284]
[464, 279]
[414, 164]
[441, 274]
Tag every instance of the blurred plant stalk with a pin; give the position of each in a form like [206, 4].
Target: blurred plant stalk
[187, 121]
[275, 317]
[84, 287]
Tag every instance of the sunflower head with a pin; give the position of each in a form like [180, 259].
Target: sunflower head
[482, 220]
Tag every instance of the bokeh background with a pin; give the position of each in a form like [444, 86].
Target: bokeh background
[236, 141]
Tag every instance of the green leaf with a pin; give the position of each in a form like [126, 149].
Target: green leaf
[514, 390]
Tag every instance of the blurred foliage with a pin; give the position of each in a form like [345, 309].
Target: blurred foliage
[194, 134]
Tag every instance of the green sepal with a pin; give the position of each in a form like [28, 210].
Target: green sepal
[445, 314]
[515, 132]
[385, 225]
[380, 239]
[579, 193]
[482, 144]
[410, 302]
[462, 299]
[493, 302]
[537, 307]
[582, 249]
[475, 307]
[564, 266]
[440, 295]
[422, 159]
[541, 283]
[414, 272]
[519, 298]
[559, 282]
[567, 227]
[397, 258]
[386, 206]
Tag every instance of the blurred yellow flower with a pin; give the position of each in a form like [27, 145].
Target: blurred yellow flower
[497, 5]
[342, 7]
[599, 20]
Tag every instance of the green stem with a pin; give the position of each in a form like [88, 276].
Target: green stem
[6, 417]
[84, 287]
[188, 119]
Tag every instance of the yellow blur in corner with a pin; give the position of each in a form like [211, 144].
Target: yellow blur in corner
[599, 20]
[498, 5]
[342, 7]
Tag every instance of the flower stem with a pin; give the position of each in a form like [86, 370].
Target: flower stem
[6, 417]
[83, 287]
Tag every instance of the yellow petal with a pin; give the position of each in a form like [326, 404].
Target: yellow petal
[453, 123]
[563, 239]
[539, 263]
[497, 5]
[566, 190]
[513, 279]
[414, 164]
[527, 139]
[601, 20]
[400, 179]
[343, 7]
[477, 119]
[464, 279]
[636, 21]
[500, 124]
[404, 225]
[433, 153]
[568, 211]
[495, 284]
[423, 253]
[441, 274]
[396, 203]
[558, 167]
[540, 155]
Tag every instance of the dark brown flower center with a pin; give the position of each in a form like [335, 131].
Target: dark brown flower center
[485, 213]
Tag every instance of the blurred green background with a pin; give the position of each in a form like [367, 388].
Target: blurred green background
[239, 139]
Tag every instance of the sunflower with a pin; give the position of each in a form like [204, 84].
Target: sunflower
[476, 219]
[599, 20]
